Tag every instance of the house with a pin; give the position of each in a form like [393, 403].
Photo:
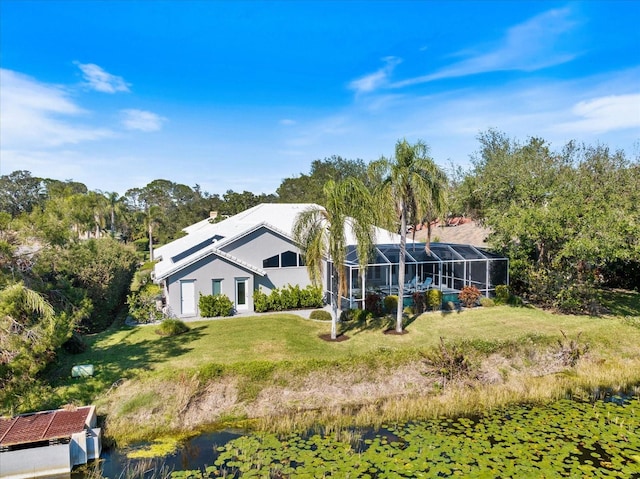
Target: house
[255, 250]
[48, 443]
[235, 256]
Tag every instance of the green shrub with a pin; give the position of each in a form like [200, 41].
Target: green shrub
[320, 315]
[171, 327]
[390, 303]
[487, 302]
[347, 315]
[215, 305]
[434, 299]
[469, 295]
[143, 305]
[363, 316]
[260, 301]
[408, 311]
[288, 297]
[502, 294]
[311, 297]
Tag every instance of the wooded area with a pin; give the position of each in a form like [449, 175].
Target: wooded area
[568, 220]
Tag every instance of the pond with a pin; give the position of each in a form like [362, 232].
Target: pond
[566, 438]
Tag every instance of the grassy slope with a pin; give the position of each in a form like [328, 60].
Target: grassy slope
[128, 352]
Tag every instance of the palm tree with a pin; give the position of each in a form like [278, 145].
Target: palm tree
[412, 187]
[321, 234]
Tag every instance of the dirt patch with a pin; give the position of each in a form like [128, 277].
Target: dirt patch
[393, 332]
[339, 338]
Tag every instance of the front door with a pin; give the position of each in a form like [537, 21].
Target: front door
[188, 298]
[241, 294]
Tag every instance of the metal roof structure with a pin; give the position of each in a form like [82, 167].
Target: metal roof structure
[445, 266]
[43, 426]
[210, 237]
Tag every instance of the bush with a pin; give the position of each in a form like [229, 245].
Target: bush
[356, 315]
[434, 299]
[502, 294]
[171, 327]
[408, 311]
[449, 361]
[390, 303]
[469, 295]
[419, 301]
[373, 304]
[215, 305]
[288, 297]
[320, 315]
[143, 305]
[487, 302]
[260, 301]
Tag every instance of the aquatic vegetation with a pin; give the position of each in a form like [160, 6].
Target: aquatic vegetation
[566, 438]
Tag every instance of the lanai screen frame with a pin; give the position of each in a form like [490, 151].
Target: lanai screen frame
[451, 266]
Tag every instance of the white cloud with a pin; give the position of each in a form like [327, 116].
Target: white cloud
[100, 80]
[606, 113]
[141, 120]
[287, 122]
[375, 80]
[529, 46]
[37, 115]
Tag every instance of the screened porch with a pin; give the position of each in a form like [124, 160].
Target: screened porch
[448, 267]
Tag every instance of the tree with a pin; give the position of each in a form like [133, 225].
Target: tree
[321, 234]
[411, 187]
[20, 192]
[30, 332]
[309, 188]
[567, 219]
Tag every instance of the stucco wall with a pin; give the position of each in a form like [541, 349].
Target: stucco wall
[253, 249]
[203, 272]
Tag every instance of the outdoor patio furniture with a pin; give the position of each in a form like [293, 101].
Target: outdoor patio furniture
[426, 284]
[411, 285]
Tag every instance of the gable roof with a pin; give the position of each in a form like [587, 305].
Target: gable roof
[205, 238]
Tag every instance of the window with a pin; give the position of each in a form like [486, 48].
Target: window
[289, 258]
[273, 262]
[216, 286]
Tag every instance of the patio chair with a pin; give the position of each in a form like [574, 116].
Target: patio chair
[426, 284]
[411, 285]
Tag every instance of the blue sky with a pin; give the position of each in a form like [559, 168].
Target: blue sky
[239, 95]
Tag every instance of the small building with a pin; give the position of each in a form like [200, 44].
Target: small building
[48, 443]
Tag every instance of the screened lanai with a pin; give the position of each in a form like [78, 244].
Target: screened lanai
[448, 267]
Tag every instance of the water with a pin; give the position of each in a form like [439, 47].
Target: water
[571, 434]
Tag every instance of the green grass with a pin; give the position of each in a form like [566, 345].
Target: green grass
[128, 352]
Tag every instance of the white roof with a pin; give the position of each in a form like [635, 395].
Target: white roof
[279, 217]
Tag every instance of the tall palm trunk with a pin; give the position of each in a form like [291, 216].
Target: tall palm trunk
[401, 263]
[334, 303]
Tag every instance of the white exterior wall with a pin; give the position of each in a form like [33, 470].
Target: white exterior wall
[252, 249]
[36, 462]
[203, 273]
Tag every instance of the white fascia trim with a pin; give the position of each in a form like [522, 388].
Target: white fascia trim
[203, 254]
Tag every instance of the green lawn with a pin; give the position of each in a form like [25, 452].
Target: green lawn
[130, 351]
